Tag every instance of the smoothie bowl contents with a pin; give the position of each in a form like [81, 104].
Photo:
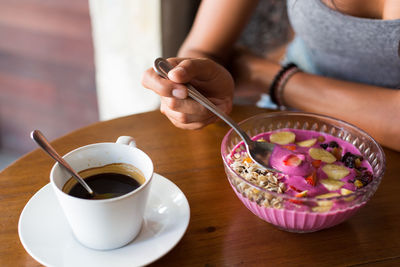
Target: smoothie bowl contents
[329, 169]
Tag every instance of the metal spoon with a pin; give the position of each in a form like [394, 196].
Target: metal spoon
[258, 151]
[39, 138]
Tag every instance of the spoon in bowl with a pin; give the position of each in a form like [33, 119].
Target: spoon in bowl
[259, 152]
[39, 138]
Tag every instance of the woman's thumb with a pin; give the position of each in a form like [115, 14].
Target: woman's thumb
[189, 69]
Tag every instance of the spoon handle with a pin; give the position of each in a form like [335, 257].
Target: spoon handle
[39, 138]
[162, 67]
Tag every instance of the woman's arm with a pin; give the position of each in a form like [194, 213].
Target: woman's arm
[374, 109]
[217, 26]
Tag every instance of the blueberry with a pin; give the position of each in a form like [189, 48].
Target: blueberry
[333, 144]
[366, 177]
[324, 146]
[349, 160]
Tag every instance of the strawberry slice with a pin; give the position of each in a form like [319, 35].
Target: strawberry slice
[299, 195]
[290, 147]
[295, 201]
[292, 161]
[312, 178]
[316, 163]
[294, 188]
[302, 194]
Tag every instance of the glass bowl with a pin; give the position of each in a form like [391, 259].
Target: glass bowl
[285, 211]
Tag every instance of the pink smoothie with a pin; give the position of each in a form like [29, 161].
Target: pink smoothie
[296, 174]
[302, 214]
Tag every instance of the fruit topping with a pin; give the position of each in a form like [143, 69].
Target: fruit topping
[312, 178]
[321, 139]
[325, 205]
[337, 152]
[358, 183]
[316, 163]
[294, 188]
[302, 194]
[299, 195]
[324, 146]
[323, 208]
[364, 177]
[321, 154]
[307, 143]
[349, 159]
[292, 161]
[331, 184]
[290, 147]
[336, 172]
[282, 138]
[345, 192]
[296, 201]
[328, 195]
[333, 144]
[357, 163]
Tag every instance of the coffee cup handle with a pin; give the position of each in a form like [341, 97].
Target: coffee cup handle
[126, 140]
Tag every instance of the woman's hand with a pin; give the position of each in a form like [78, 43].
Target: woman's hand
[208, 77]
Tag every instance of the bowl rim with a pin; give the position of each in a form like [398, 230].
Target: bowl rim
[376, 181]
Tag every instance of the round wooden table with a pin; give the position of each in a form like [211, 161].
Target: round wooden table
[221, 232]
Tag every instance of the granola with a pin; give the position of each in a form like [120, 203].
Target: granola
[257, 176]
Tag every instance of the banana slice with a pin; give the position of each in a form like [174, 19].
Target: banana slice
[282, 138]
[322, 208]
[328, 195]
[326, 203]
[321, 154]
[345, 192]
[336, 172]
[331, 184]
[307, 143]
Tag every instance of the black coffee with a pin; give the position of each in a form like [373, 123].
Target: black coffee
[109, 181]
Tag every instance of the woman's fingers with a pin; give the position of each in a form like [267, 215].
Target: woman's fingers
[188, 69]
[184, 111]
[187, 121]
[161, 86]
[208, 77]
[193, 125]
[188, 114]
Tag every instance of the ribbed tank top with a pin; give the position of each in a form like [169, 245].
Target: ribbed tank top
[341, 46]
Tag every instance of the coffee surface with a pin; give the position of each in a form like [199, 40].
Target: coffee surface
[108, 181]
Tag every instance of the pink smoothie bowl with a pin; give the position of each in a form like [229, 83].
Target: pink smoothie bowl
[283, 211]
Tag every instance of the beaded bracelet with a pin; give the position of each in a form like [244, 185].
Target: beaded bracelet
[279, 82]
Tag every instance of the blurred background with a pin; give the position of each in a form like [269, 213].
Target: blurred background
[65, 64]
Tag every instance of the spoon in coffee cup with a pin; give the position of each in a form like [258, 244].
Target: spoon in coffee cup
[39, 138]
[259, 152]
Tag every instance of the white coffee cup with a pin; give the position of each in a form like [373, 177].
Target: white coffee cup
[107, 223]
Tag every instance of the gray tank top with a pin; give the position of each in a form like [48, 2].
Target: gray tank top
[341, 46]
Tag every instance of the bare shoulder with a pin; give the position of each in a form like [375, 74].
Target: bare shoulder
[217, 26]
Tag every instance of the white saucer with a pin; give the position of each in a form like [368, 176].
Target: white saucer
[46, 236]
